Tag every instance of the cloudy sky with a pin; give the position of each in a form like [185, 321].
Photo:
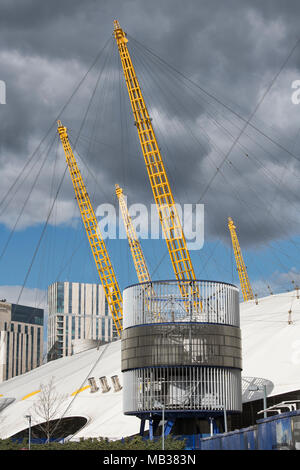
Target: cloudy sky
[206, 68]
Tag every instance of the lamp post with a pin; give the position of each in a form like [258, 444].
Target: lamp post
[255, 388]
[163, 428]
[162, 406]
[211, 426]
[29, 430]
[225, 418]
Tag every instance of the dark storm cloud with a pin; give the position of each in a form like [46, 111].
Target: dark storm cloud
[232, 48]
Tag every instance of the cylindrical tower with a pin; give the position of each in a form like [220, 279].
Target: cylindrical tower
[181, 355]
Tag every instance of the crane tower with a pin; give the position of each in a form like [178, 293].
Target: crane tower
[241, 267]
[97, 245]
[134, 244]
[168, 214]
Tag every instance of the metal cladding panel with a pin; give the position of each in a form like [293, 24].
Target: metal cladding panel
[265, 436]
[162, 301]
[180, 389]
[250, 439]
[181, 344]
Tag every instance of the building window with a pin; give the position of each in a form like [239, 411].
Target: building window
[79, 300]
[23, 314]
[103, 328]
[22, 352]
[73, 327]
[7, 354]
[32, 344]
[70, 297]
[13, 354]
[67, 335]
[97, 300]
[60, 297]
[38, 346]
[26, 352]
[17, 355]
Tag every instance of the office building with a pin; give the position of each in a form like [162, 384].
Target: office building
[77, 311]
[21, 339]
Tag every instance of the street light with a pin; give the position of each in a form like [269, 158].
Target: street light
[163, 428]
[255, 388]
[29, 430]
[211, 422]
[162, 406]
[225, 418]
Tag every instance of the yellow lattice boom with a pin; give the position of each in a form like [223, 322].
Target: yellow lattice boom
[134, 244]
[240, 264]
[99, 251]
[162, 193]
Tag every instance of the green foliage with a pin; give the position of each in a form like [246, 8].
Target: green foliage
[7, 444]
[100, 443]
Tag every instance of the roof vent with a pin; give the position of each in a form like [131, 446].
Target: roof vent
[116, 383]
[93, 385]
[104, 384]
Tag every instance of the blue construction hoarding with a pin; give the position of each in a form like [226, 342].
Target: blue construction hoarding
[277, 432]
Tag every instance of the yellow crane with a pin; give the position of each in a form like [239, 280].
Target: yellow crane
[162, 193]
[134, 244]
[240, 264]
[100, 254]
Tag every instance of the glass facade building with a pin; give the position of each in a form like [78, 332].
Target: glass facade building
[77, 311]
[21, 339]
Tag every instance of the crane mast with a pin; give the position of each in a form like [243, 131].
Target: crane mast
[99, 251]
[134, 244]
[162, 193]
[241, 267]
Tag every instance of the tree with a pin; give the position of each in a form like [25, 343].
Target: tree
[45, 409]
